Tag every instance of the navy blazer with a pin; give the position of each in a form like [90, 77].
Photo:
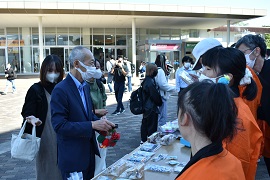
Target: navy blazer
[75, 137]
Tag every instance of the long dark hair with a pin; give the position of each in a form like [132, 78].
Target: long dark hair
[212, 109]
[230, 60]
[47, 64]
[161, 62]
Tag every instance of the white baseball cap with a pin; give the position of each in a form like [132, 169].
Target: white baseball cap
[201, 48]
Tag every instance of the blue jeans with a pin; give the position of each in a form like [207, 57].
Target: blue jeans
[109, 81]
[162, 117]
[119, 88]
[129, 84]
[13, 85]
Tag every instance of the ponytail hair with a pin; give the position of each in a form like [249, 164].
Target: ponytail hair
[250, 91]
[212, 109]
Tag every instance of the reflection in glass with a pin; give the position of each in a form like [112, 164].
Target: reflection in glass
[2, 60]
[2, 37]
[36, 63]
[109, 40]
[98, 39]
[121, 40]
[99, 54]
[74, 36]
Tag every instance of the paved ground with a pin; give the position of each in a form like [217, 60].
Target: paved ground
[129, 127]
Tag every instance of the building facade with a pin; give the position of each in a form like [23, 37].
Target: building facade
[31, 30]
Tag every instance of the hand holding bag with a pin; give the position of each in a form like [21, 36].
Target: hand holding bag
[25, 146]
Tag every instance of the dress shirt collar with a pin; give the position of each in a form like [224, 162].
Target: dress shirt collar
[78, 83]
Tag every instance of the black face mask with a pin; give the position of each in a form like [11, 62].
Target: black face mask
[155, 73]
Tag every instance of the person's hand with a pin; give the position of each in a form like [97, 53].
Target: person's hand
[6, 75]
[120, 64]
[103, 124]
[101, 112]
[33, 120]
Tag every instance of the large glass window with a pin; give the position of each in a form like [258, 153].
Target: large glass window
[98, 36]
[176, 34]
[50, 36]
[74, 36]
[62, 36]
[154, 34]
[35, 37]
[2, 60]
[194, 33]
[99, 54]
[2, 37]
[142, 34]
[12, 37]
[110, 36]
[121, 40]
[36, 64]
[13, 57]
[165, 34]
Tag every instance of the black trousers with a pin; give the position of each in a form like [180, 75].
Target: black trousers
[149, 125]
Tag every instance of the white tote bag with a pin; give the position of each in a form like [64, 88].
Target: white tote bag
[25, 146]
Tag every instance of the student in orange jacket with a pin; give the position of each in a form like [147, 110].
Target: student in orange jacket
[247, 142]
[207, 115]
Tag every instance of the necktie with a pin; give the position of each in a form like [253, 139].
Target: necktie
[80, 88]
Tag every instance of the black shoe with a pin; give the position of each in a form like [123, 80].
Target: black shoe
[115, 112]
[123, 110]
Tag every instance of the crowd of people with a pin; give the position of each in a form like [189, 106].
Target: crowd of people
[222, 109]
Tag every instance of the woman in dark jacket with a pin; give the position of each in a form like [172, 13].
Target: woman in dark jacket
[152, 100]
[36, 110]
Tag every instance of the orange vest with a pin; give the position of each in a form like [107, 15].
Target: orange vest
[246, 144]
[254, 104]
[223, 166]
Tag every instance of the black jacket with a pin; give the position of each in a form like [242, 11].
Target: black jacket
[11, 74]
[35, 104]
[151, 96]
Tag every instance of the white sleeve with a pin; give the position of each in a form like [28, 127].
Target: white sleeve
[163, 83]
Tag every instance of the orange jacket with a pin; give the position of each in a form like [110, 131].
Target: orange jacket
[246, 144]
[223, 166]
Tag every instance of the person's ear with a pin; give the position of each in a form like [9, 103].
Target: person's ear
[257, 51]
[185, 120]
[76, 64]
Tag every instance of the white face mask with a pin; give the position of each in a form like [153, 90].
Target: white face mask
[91, 72]
[204, 77]
[250, 62]
[52, 77]
[187, 65]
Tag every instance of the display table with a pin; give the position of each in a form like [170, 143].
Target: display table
[176, 149]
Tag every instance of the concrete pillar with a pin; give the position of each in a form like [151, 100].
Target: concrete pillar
[86, 36]
[40, 37]
[228, 32]
[134, 43]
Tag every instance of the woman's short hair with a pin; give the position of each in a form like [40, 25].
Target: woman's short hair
[212, 109]
[47, 65]
[150, 67]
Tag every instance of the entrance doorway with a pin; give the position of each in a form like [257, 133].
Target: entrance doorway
[59, 52]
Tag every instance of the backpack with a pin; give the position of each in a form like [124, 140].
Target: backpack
[132, 68]
[136, 101]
